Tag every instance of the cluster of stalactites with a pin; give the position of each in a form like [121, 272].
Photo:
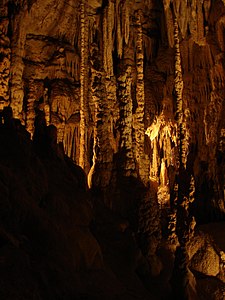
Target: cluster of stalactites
[72, 63]
[220, 31]
[191, 15]
[116, 31]
[163, 137]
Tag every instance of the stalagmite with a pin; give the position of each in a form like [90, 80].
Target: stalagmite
[100, 173]
[47, 108]
[31, 98]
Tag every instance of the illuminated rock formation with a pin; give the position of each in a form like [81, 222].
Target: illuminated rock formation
[135, 91]
[5, 56]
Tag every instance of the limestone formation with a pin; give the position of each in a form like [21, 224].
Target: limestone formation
[5, 56]
[128, 96]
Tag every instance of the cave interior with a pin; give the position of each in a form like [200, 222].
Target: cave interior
[112, 149]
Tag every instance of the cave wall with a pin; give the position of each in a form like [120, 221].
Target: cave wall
[110, 75]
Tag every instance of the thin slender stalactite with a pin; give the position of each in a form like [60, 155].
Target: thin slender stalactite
[139, 124]
[5, 54]
[108, 25]
[83, 86]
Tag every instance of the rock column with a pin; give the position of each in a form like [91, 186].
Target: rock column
[84, 86]
[5, 56]
[139, 122]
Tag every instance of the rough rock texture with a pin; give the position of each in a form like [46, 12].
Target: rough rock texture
[206, 261]
[130, 65]
[135, 91]
[5, 55]
[209, 241]
[47, 250]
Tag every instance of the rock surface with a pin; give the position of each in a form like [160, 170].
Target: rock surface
[107, 78]
[206, 261]
[133, 93]
[47, 248]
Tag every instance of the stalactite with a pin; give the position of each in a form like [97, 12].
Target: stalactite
[5, 54]
[126, 21]
[183, 20]
[193, 20]
[207, 7]
[169, 22]
[163, 173]
[149, 46]
[75, 149]
[108, 25]
[84, 86]
[200, 23]
[110, 41]
[139, 127]
[179, 86]
[155, 162]
[71, 141]
[125, 79]
[198, 13]
[220, 25]
[17, 64]
[119, 37]
[73, 65]
[92, 29]
[162, 134]
[104, 29]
